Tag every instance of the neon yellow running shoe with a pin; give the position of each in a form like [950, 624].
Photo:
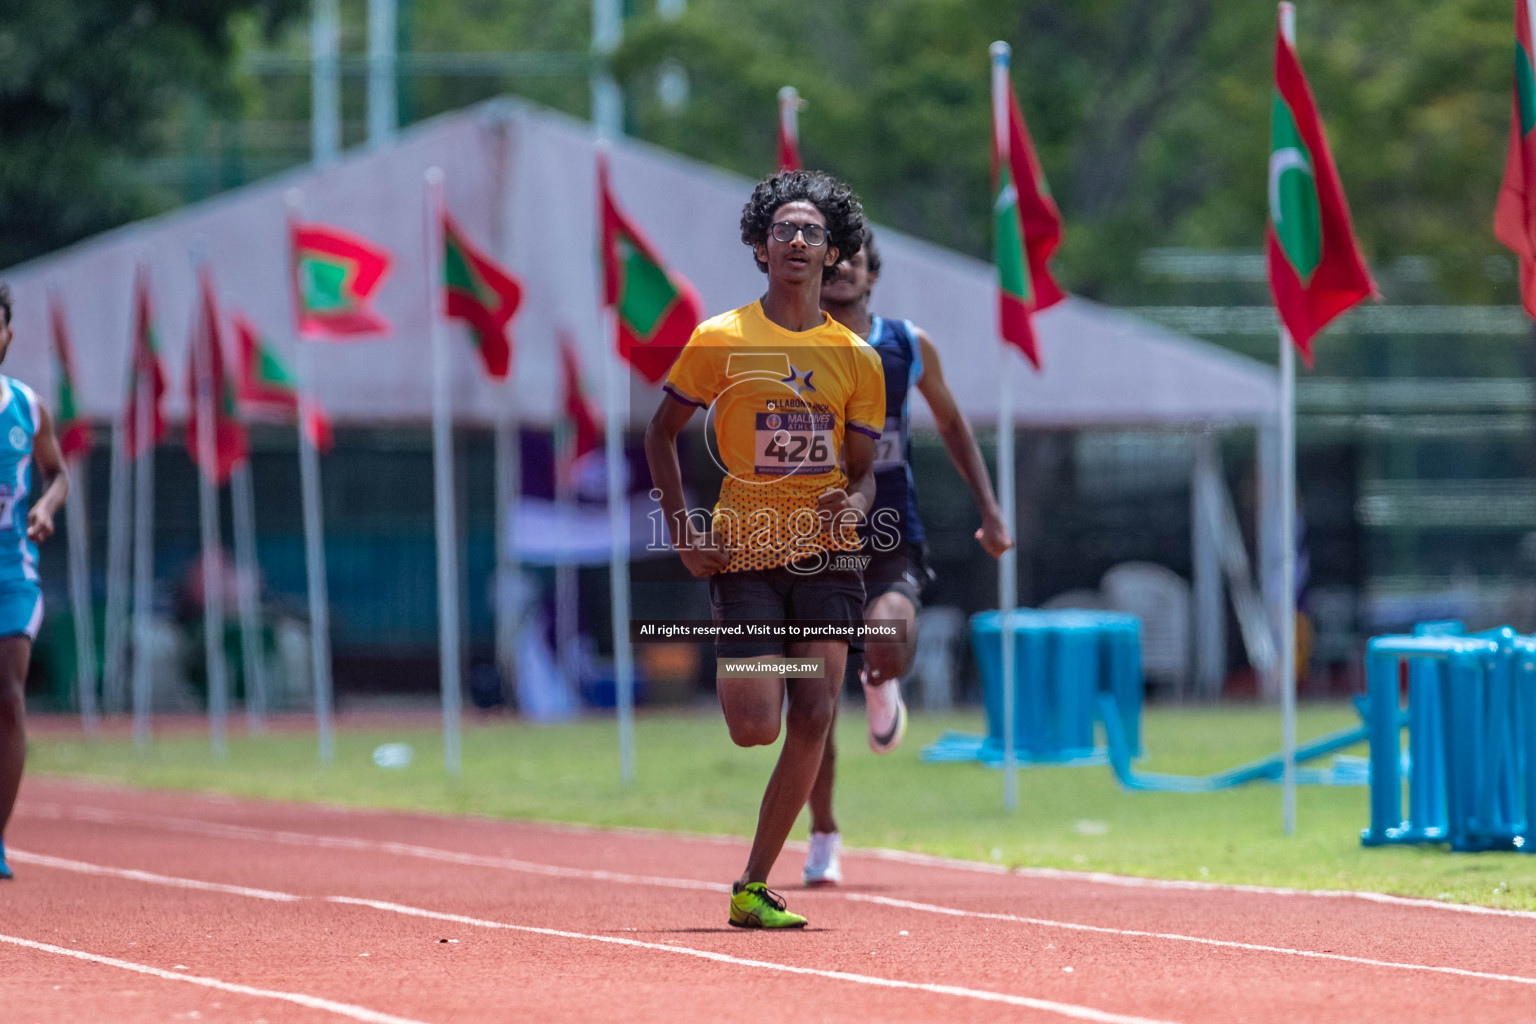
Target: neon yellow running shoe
[754, 905]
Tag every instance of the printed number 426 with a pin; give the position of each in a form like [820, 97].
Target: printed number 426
[795, 450]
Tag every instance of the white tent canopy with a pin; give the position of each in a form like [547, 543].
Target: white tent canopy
[522, 183]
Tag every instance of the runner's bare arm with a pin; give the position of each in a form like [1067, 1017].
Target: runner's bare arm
[50, 463]
[859, 457]
[963, 450]
[699, 552]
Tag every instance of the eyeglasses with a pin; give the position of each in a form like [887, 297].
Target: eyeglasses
[786, 230]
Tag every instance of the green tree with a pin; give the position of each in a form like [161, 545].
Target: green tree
[82, 83]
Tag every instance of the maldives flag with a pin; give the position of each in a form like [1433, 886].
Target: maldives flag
[578, 411]
[656, 309]
[1315, 268]
[335, 274]
[481, 294]
[72, 430]
[144, 365]
[789, 128]
[1026, 224]
[205, 368]
[269, 388]
[1514, 220]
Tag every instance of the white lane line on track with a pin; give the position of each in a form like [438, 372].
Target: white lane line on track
[1137, 882]
[929, 908]
[244, 832]
[310, 1002]
[984, 995]
[43, 860]
[102, 816]
[1310, 954]
[1070, 1010]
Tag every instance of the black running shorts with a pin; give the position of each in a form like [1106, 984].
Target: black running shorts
[784, 594]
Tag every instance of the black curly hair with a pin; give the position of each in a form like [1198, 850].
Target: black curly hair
[5, 302]
[871, 254]
[836, 201]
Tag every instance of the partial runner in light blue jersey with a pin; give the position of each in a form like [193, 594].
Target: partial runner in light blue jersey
[28, 449]
[895, 542]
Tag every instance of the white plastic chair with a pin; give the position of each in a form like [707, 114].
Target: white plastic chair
[1160, 598]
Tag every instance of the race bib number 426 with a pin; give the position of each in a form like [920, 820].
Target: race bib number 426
[787, 443]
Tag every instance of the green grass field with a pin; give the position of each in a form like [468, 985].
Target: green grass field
[691, 778]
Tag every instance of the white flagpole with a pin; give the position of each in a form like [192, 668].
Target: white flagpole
[442, 484]
[608, 119]
[1288, 539]
[1007, 574]
[508, 455]
[509, 488]
[143, 556]
[567, 582]
[76, 511]
[618, 560]
[247, 574]
[208, 523]
[314, 538]
[114, 696]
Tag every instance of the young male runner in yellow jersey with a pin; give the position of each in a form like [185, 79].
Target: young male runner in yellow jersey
[793, 394]
[898, 568]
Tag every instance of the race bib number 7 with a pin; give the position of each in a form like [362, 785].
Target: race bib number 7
[790, 443]
[889, 452]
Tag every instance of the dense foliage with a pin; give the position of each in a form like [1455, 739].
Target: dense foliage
[1152, 118]
[82, 85]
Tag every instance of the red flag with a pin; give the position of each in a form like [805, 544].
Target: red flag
[483, 295]
[789, 129]
[73, 430]
[1027, 224]
[1514, 220]
[1316, 271]
[656, 309]
[267, 387]
[205, 361]
[144, 362]
[335, 274]
[578, 407]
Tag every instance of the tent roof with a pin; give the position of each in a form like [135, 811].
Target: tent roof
[521, 181]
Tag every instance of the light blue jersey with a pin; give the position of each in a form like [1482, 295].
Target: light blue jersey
[19, 417]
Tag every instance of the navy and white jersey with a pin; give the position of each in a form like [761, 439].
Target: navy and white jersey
[19, 418]
[895, 341]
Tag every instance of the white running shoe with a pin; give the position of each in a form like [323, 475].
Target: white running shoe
[824, 860]
[887, 714]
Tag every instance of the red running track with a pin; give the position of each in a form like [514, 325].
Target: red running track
[134, 905]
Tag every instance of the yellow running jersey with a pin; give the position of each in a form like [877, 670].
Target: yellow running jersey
[781, 402]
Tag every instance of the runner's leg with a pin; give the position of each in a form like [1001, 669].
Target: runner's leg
[812, 703]
[15, 656]
[890, 659]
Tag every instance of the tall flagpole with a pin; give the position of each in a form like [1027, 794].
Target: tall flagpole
[314, 534]
[208, 521]
[76, 511]
[1288, 539]
[248, 592]
[1007, 573]
[143, 551]
[508, 455]
[442, 483]
[618, 562]
[114, 662]
[608, 118]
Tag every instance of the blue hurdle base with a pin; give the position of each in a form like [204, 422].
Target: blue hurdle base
[1116, 753]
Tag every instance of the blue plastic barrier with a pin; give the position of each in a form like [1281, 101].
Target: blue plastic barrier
[1064, 662]
[1471, 744]
[1075, 667]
